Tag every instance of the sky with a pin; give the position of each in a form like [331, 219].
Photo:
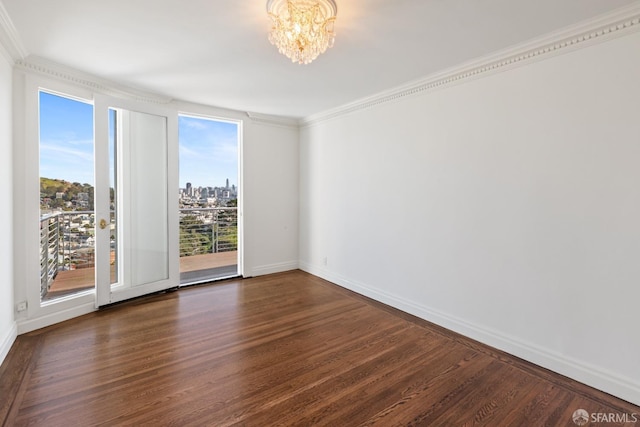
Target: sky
[66, 139]
[208, 148]
[208, 152]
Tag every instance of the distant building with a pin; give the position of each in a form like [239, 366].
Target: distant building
[82, 200]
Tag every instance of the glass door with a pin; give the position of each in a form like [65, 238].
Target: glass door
[67, 215]
[137, 254]
[208, 198]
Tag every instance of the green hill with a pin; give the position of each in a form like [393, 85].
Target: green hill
[50, 188]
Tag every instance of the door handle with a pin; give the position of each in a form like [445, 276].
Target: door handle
[103, 223]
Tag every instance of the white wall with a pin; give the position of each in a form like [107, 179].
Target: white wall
[506, 208]
[7, 323]
[270, 198]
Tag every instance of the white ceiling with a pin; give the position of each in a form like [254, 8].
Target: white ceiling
[216, 52]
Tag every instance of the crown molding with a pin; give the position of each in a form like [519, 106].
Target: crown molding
[605, 27]
[267, 119]
[44, 67]
[10, 45]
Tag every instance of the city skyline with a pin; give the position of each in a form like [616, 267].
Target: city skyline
[208, 149]
[208, 186]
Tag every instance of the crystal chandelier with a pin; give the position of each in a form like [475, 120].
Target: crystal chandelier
[302, 29]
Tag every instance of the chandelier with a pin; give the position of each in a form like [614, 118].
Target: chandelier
[302, 29]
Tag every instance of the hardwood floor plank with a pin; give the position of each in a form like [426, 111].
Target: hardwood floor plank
[285, 349]
[15, 373]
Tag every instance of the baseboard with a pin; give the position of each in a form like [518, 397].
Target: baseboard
[581, 371]
[29, 325]
[273, 268]
[7, 341]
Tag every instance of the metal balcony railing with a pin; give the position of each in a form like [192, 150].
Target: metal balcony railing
[67, 239]
[208, 230]
[66, 243]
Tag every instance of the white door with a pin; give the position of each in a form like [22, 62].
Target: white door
[136, 192]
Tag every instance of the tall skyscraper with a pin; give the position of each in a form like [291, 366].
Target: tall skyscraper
[227, 183]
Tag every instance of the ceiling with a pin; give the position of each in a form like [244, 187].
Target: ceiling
[216, 52]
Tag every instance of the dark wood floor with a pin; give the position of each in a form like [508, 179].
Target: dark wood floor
[285, 349]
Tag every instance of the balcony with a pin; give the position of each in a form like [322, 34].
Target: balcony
[208, 249]
[208, 244]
